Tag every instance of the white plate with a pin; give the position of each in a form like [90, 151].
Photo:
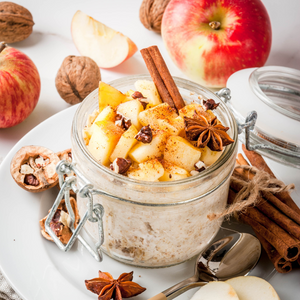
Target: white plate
[37, 269]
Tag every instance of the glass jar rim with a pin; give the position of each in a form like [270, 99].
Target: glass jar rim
[229, 150]
[272, 74]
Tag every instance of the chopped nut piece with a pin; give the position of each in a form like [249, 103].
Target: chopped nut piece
[120, 165]
[210, 104]
[106, 287]
[40, 162]
[122, 122]
[144, 103]
[65, 218]
[26, 169]
[30, 179]
[200, 166]
[145, 135]
[138, 95]
[33, 168]
[61, 221]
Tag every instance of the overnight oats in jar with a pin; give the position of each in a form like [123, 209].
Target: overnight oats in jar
[166, 186]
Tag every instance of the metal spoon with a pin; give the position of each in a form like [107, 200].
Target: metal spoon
[231, 256]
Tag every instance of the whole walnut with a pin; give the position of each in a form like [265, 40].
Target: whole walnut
[15, 22]
[151, 13]
[76, 78]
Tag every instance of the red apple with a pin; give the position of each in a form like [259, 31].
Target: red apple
[211, 39]
[20, 86]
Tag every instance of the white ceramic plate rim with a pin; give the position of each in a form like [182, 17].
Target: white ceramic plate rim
[36, 268]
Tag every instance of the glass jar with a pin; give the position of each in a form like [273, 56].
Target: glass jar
[155, 224]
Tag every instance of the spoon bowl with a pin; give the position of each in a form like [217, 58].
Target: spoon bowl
[233, 255]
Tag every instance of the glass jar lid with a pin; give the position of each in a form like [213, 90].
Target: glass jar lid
[274, 93]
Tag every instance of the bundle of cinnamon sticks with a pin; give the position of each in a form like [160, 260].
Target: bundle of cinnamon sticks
[275, 218]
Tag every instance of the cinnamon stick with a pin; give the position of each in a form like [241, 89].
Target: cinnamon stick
[257, 161]
[280, 264]
[161, 77]
[155, 75]
[286, 246]
[166, 76]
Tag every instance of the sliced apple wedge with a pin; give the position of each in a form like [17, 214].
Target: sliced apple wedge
[253, 288]
[216, 290]
[107, 47]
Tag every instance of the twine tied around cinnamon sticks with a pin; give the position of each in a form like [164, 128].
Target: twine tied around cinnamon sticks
[250, 191]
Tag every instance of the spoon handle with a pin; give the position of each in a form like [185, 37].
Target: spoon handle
[178, 289]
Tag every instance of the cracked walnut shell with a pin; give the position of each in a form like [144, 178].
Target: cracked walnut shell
[151, 13]
[15, 22]
[60, 222]
[33, 168]
[77, 77]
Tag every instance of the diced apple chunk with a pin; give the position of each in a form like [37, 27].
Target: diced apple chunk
[172, 172]
[125, 143]
[131, 110]
[208, 156]
[108, 95]
[148, 89]
[142, 152]
[103, 141]
[181, 153]
[162, 117]
[150, 170]
[189, 111]
[107, 114]
[163, 111]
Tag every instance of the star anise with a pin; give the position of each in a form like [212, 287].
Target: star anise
[207, 133]
[106, 287]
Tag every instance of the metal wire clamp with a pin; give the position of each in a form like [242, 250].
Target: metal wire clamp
[248, 126]
[94, 212]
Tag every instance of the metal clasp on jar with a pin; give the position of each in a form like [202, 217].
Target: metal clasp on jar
[94, 212]
[249, 126]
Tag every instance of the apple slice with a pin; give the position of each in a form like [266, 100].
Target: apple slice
[216, 290]
[253, 288]
[107, 47]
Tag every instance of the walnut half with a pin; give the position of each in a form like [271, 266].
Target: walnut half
[33, 168]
